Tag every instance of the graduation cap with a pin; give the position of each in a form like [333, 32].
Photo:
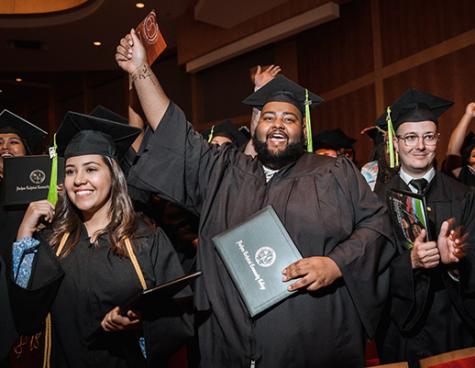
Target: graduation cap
[413, 106]
[104, 113]
[281, 89]
[376, 133]
[81, 134]
[226, 129]
[31, 135]
[333, 139]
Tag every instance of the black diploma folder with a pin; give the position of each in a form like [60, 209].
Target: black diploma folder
[153, 298]
[255, 253]
[26, 179]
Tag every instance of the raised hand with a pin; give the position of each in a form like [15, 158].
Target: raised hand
[262, 77]
[315, 273]
[130, 53]
[450, 242]
[34, 213]
[424, 254]
[114, 321]
[470, 110]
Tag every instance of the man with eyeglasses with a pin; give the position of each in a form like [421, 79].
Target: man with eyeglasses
[432, 305]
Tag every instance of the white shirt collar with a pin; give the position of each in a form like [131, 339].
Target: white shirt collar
[269, 173]
[429, 175]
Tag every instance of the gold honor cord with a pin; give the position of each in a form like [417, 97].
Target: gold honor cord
[210, 136]
[393, 157]
[53, 181]
[48, 323]
[308, 123]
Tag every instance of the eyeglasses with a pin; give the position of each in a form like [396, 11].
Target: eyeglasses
[411, 140]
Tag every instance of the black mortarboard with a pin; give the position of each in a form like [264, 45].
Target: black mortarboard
[415, 106]
[81, 134]
[333, 139]
[376, 133]
[282, 89]
[226, 129]
[104, 113]
[31, 135]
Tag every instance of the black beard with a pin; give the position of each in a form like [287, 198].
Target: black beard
[278, 160]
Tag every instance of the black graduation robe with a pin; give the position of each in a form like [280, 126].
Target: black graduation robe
[10, 220]
[8, 333]
[81, 288]
[327, 208]
[430, 312]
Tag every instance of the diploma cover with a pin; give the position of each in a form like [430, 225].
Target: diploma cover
[152, 298]
[26, 179]
[255, 253]
[151, 37]
[408, 212]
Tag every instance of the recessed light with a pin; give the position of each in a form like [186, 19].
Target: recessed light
[140, 5]
[19, 80]
[97, 43]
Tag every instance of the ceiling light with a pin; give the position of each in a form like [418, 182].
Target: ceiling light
[18, 80]
[97, 43]
[140, 5]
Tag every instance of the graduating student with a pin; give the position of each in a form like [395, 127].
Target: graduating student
[8, 333]
[18, 137]
[337, 223]
[377, 171]
[225, 132]
[96, 255]
[432, 284]
[460, 160]
[334, 140]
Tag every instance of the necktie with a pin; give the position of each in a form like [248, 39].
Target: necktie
[419, 184]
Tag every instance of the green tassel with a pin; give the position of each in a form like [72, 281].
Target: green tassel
[53, 181]
[393, 157]
[210, 136]
[308, 123]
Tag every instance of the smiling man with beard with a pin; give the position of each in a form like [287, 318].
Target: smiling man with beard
[339, 226]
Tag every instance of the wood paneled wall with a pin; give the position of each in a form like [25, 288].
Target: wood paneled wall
[195, 38]
[360, 63]
[378, 49]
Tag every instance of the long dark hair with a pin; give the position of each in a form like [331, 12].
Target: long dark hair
[123, 224]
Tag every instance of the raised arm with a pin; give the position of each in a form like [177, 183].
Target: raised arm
[458, 135]
[261, 78]
[130, 56]
[135, 115]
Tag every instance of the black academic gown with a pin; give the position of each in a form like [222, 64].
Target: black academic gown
[81, 288]
[327, 208]
[8, 333]
[430, 313]
[467, 177]
[10, 220]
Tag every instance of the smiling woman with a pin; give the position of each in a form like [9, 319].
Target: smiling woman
[96, 254]
[37, 7]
